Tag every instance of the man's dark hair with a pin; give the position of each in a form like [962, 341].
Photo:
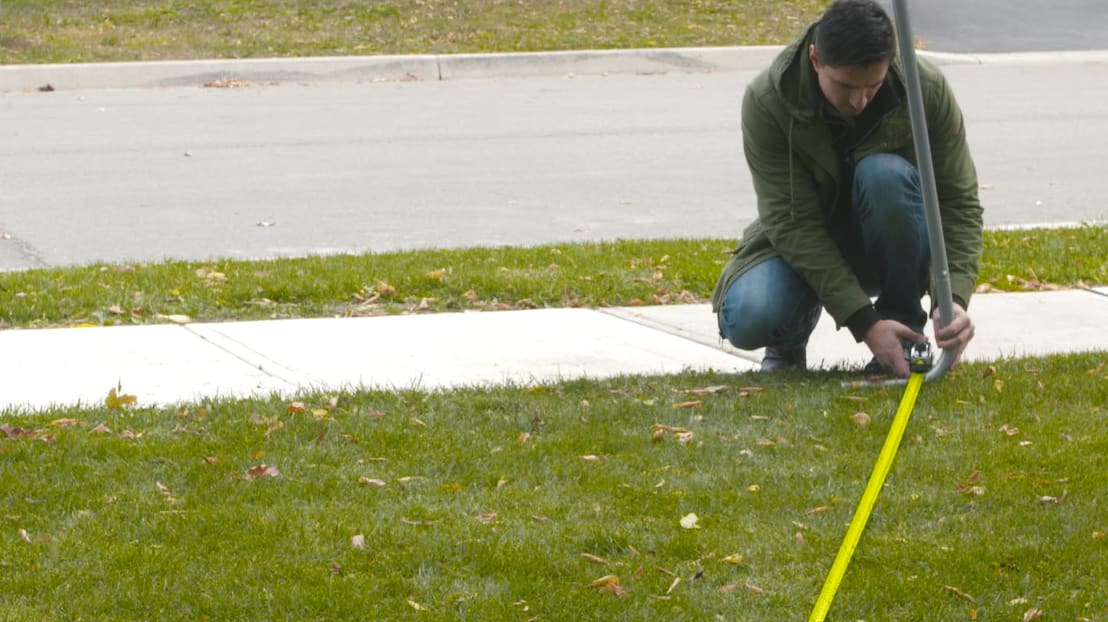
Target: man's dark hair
[855, 33]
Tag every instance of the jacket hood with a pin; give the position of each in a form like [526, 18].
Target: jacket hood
[791, 74]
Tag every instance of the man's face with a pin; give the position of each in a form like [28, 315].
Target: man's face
[849, 88]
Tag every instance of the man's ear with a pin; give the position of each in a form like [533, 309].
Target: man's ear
[813, 56]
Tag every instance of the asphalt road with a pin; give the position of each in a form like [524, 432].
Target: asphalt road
[296, 169]
[1008, 25]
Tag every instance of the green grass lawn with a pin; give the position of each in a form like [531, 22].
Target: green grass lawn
[38, 31]
[507, 503]
[621, 273]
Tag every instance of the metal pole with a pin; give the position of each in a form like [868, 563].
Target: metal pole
[940, 273]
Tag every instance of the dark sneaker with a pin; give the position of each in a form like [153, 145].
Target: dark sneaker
[782, 359]
[874, 369]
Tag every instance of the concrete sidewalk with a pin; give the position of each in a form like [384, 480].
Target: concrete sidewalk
[167, 364]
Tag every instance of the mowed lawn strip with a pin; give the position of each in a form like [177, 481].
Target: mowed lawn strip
[63, 31]
[618, 273]
[695, 497]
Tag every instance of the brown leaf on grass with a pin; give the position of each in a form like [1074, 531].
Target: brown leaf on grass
[366, 481]
[818, 510]
[754, 589]
[727, 589]
[297, 407]
[101, 428]
[24, 536]
[1096, 370]
[436, 275]
[594, 458]
[1033, 613]
[719, 388]
[539, 518]
[734, 558]
[117, 400]
[18, 432]
[959, 593]
[414, 605]
[357, 541]
[673, 585]
[66, 423]
[129, 435]
[860, 418]
[659, 431]
[990, 370]
[275, 424]
[262, 470]
[486, 519]
[210, 275]
[165, 492]
[1055, 500]
[608, 584]
[1009, 430]
[690, 404]
[589, 557]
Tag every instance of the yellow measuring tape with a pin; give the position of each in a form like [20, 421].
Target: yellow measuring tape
[869, 498]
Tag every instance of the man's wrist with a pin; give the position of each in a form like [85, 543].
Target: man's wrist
[861, 321]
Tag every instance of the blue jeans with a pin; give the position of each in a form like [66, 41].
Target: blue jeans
[883, 239]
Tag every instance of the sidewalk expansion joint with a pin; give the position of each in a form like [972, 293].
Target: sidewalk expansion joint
[260, 363]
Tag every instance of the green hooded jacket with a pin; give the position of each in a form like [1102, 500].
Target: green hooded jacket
[796, 172]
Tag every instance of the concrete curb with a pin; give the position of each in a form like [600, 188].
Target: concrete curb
[431, 67]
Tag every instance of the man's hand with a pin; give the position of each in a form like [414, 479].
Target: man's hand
[885, 341]
[955, 335]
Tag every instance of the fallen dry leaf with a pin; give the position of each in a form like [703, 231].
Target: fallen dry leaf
[673, 585]
[414, 605]
[608, 584]
[297, 407]
[719, 388]
[357, 541]
[66, 423]
[1009, 430]
[959, 593]
[117, 400]
[589, 557]
[818, 510]
[1033, 613]
[1055, 500]
[594, 458]
[860, 418]
[486, 518]
[366, 481]
[690, 520]
[101, 428]
[262, 470]
[24, 536]
[690, 404]
[734, 558]
[754, 589]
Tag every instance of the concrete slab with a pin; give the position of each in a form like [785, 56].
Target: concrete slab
[463, 349]
[1010, 324]
[1039, 323]
[158, 364]
[826, 349]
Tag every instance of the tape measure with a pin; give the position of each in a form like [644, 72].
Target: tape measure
[919, 362]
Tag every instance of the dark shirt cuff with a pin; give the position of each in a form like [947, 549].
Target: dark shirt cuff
[860, 322]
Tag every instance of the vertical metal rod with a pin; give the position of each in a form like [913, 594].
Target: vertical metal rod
[940, 272]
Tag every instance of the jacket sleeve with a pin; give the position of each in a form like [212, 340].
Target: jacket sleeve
[790, 211]
[955, 182]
